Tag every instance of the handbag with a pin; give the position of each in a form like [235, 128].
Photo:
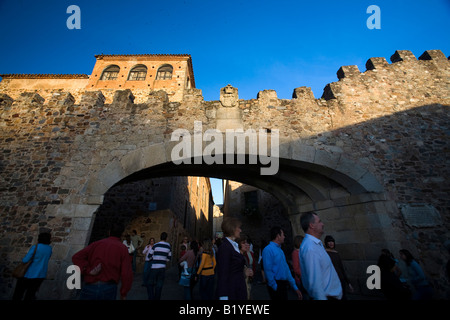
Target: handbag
[185, 280]
[21, 269]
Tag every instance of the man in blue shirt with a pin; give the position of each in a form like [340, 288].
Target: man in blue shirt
[276, 269]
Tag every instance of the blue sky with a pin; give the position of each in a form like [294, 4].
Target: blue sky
[252, 45]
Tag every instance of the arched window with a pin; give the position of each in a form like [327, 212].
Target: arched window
[138, 72]
[164, 72]
[110, 73]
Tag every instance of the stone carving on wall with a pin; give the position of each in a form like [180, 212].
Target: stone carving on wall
[229, 115]
[229, 96]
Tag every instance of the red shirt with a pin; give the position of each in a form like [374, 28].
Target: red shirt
[115, 260]
[296, 265]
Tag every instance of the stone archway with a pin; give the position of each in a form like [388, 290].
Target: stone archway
[348, 197]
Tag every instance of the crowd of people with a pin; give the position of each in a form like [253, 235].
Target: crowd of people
[224, 268]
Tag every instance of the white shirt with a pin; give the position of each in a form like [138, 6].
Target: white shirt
[318, 274]
[146, 251]
[234, 244]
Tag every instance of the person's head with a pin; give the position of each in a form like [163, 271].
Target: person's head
[387, 253]
[312, 224]
[151, 241]
[329, 242]
[163, 236]
[207, 246]
[194, 246]
[385, 263]
[134, 232]
[231, 228]
[243, 243]
[277, 235]
[406, 256]
[44, 238]
[298, 241]
[116, 230]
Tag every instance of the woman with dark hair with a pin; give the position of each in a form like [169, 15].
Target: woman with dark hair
[37, 271]
[330, 247]
[424, 291]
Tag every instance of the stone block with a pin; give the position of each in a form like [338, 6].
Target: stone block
[93, 98]
[376, 63]
[402, 55]
[350, 169]
[5, 101]
[95, 187]
[123, 97]
[302, 152]
[82, 223]
[304, 93]
[31, 99]
[370, 183]
[85, 210]
[95, 199]
[327, 159]
[329, 91]
[111, 174]
[78, 237]
[155, 154]
[132, 162]
[433, 55]
[60, 251]
[63, 99]
[267, 94]
[347, 71]
[66, 210]
[229, 113]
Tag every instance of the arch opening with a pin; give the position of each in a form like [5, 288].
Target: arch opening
[353, 213]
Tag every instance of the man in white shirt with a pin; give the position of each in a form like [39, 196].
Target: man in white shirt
[318, 274]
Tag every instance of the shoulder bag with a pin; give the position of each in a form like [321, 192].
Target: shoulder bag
[21, 269]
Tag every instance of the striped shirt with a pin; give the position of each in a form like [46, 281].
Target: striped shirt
[159, 254]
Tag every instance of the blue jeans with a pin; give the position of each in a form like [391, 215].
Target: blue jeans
[207, 287]
[99, 291]
[155, 283]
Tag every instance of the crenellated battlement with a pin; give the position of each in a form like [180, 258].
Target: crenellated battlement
[382, 89]
[436, 56]
[404, 64]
